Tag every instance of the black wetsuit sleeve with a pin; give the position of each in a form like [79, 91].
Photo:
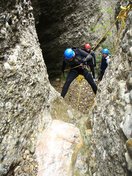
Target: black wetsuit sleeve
[87, 58]
[63, 66]
[94, 58]
[83, 53]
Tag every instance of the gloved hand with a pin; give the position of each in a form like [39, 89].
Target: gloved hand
[81, 65]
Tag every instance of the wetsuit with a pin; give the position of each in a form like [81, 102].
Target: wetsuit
[104, 64]
[92, 62]
[80, 58]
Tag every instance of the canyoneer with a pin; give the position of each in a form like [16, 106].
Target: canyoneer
[77, 60]
[91, 63]
[104, 62]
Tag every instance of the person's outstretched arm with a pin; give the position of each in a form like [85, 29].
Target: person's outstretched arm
[63, 66]
[94, 58]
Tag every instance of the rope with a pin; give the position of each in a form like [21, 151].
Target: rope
[122, 16]
[72, 68]
[79, 79]
[98, 41]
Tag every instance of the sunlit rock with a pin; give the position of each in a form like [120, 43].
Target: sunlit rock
[57, 149]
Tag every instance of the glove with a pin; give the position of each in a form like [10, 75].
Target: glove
[81, 64]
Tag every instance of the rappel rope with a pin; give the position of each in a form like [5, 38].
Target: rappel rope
[122, 16]
[79, 79]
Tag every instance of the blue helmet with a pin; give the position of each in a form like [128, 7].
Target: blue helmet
[69, 53]
[105, 51]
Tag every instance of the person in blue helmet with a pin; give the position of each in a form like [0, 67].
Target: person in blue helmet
[76, 59]
[104, 62]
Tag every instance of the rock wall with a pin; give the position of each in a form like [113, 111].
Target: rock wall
[26, 96]
[62, 24]
[65, 23]
[112, 120]
[57, 149]
[24, 89]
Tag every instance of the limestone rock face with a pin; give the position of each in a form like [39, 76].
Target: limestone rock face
[57, 149]
[26, 94]
[24, 89]
[112, 115]
[62, 24]
[67, 23]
